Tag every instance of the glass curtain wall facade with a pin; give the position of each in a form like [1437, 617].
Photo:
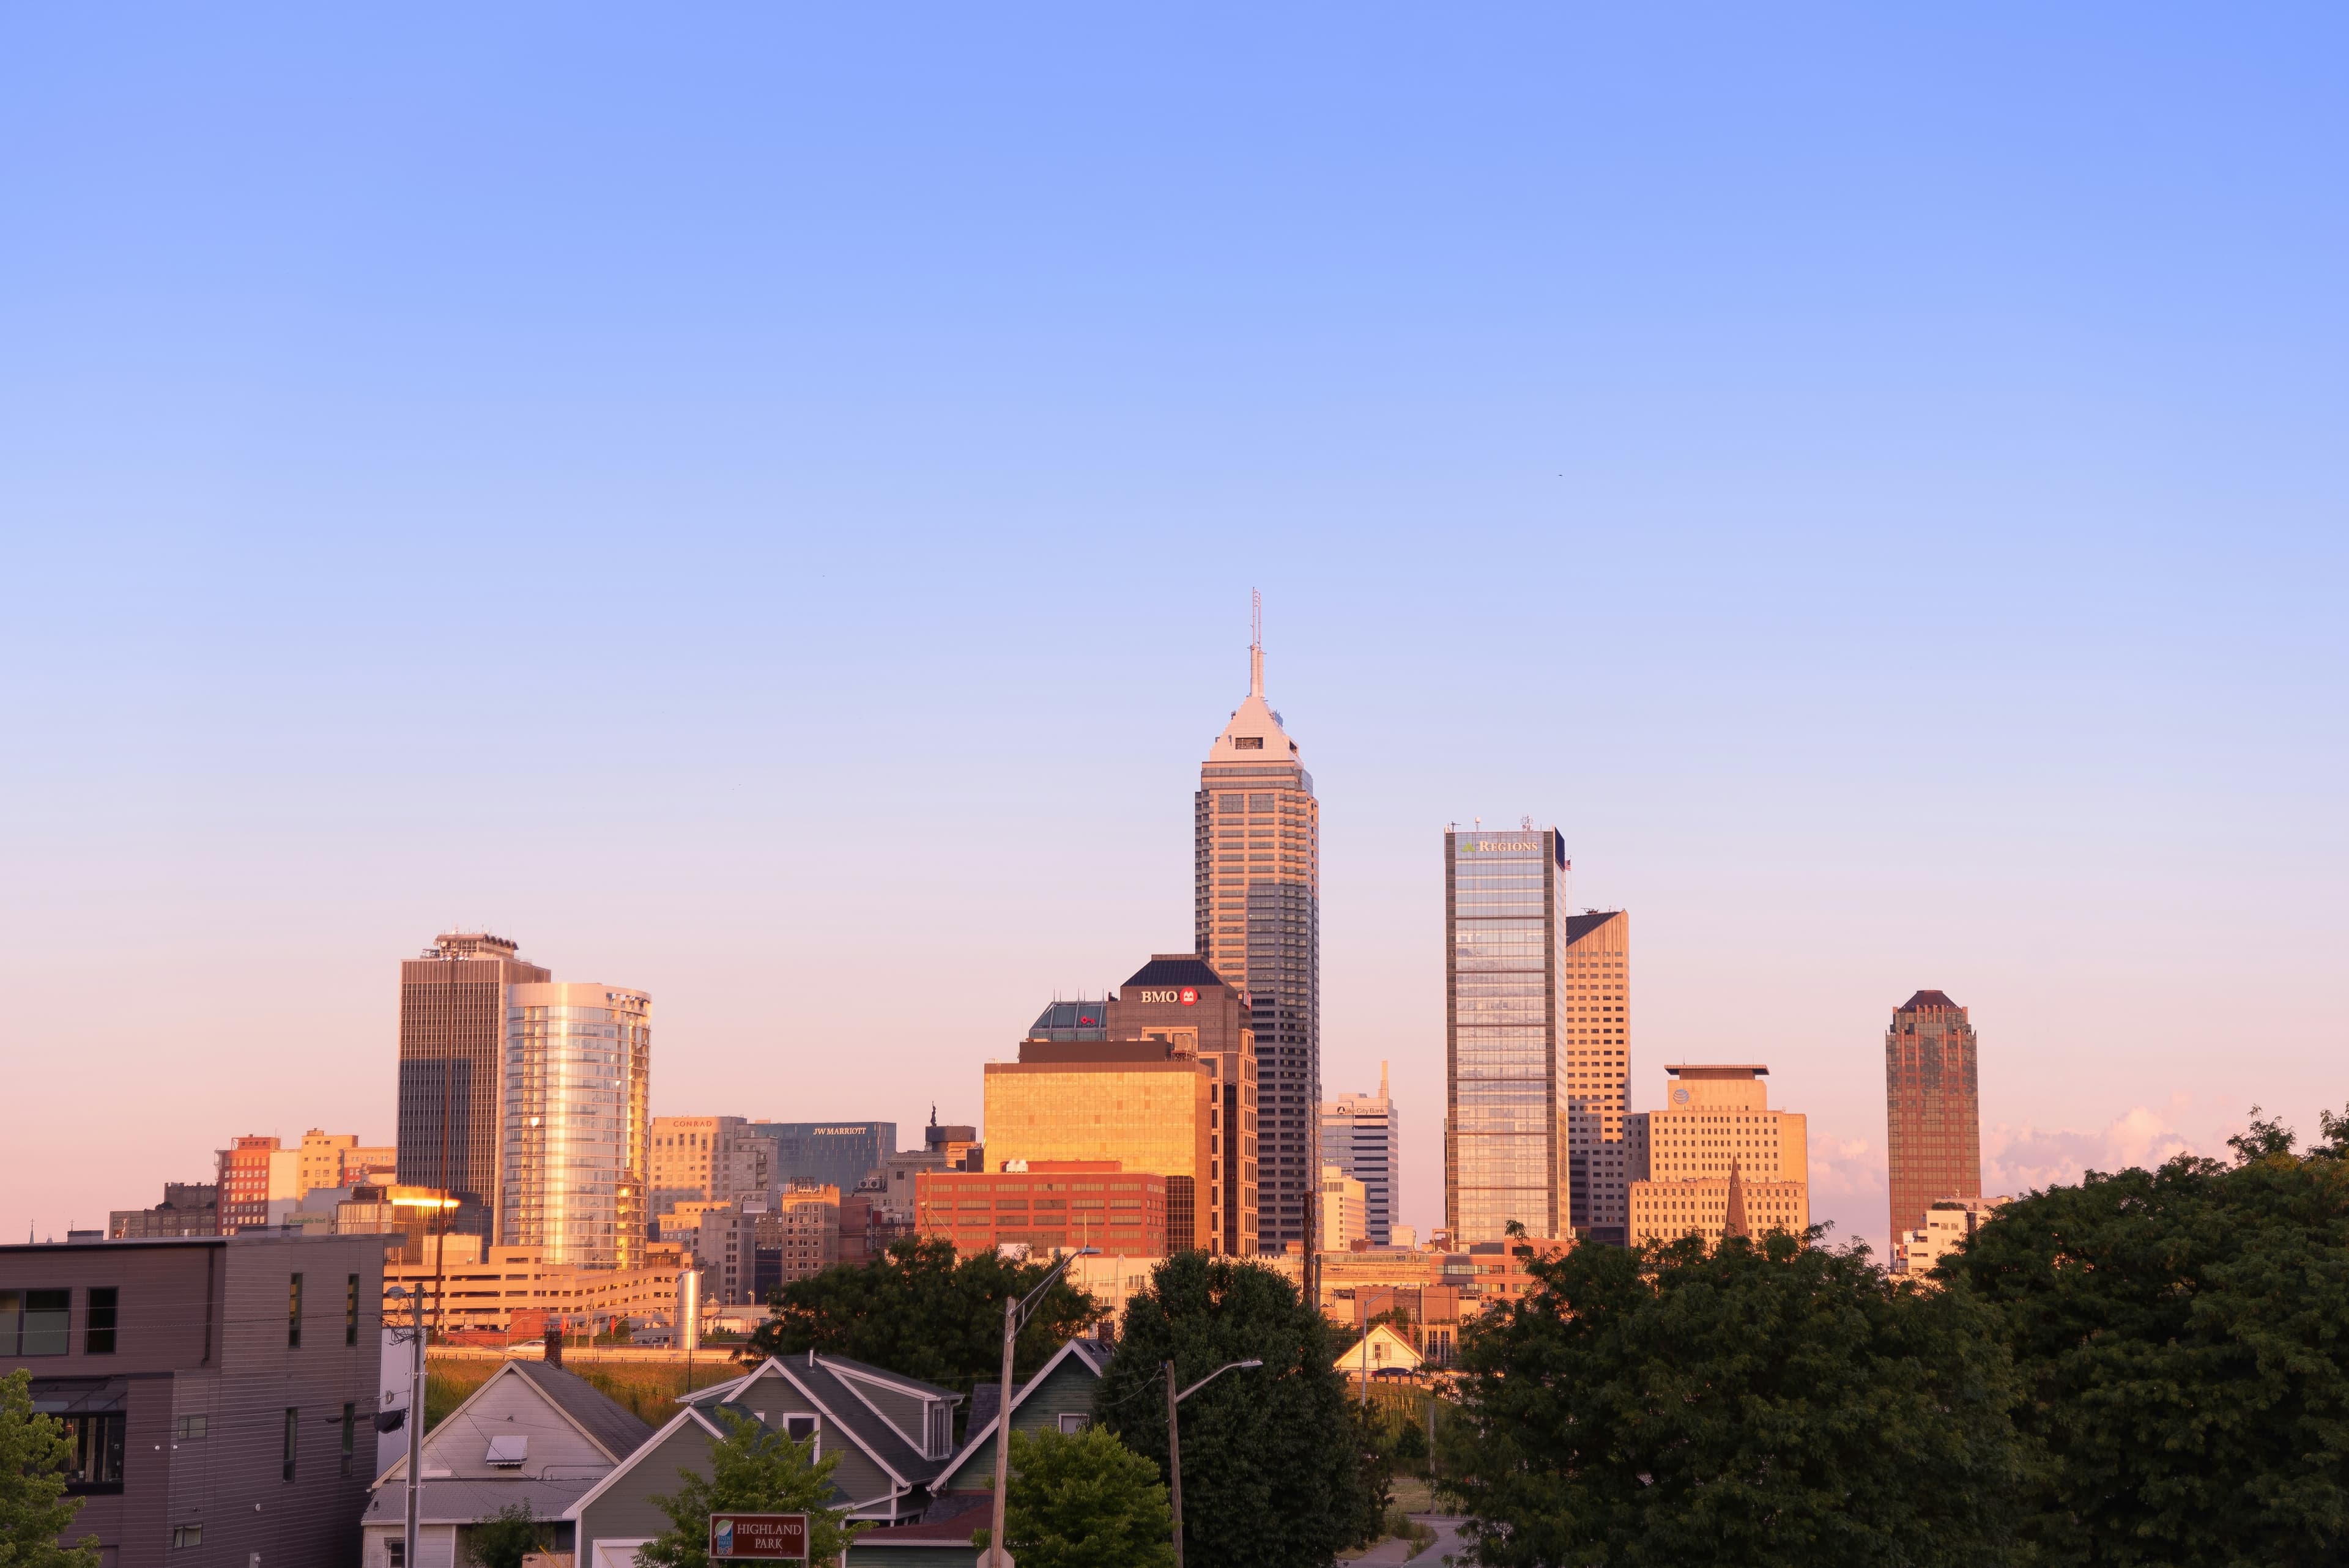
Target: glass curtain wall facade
[452, 1016]
[1504, 1141]
[578, 1136]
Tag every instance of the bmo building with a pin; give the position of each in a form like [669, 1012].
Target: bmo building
[1166, 1083]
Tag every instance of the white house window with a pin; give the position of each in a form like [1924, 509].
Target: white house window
[1073, 1420]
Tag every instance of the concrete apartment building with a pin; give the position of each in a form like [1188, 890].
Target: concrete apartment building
[331, 1159]
[1257, 903]
[188, 1209]
[709, 1159]
[1717, 1160]
[518, 1290]
[1932, 1107]
[219, 1391]
[1361, 1135]
[1343, 1211]
[1950, 1224]
[259, 1183]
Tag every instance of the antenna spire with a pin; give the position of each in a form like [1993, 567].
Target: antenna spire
[1256, 642]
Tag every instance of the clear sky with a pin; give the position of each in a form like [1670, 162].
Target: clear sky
[759, 505]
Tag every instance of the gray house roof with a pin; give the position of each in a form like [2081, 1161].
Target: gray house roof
[606, 1421]
[813, 1376]
[461, 1499]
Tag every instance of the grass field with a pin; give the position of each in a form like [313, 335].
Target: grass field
[646, 1390]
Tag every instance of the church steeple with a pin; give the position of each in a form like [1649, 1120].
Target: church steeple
[1733, 1223]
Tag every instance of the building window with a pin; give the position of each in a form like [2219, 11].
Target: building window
[293, 1437]
[36, 1322]
[350, 1430]
[191, 1426]
[1073, 1420]
[395, 1553]
[351, 1312]
[95, 1441]
[97, 1338]
[187, 1535]
[293, 1314]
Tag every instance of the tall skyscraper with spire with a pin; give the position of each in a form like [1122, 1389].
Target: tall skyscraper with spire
[1259, 902]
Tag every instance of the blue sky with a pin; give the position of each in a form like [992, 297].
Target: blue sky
[763, 509]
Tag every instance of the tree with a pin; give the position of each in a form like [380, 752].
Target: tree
[1273, 1472]
[1083, 1500]
[1758, 1403]
[35, 1454]
[921, 1312]
[753, 1470]
[2183, 1337]
[506, 1537]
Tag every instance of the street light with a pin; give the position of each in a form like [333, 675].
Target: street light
[1015, 1317]
[1175, 1443]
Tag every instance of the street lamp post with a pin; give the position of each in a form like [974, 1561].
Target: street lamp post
[1015, 1316]
[1175, 1441]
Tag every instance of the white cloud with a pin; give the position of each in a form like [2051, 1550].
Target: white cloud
[2016, 1160]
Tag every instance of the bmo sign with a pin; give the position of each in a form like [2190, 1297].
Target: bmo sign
[1188, 996]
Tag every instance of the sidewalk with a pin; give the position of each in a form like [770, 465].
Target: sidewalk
[1388, 1553]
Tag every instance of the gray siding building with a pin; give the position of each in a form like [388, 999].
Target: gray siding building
[219, 1391]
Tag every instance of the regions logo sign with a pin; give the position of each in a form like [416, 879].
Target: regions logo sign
[758, 1537]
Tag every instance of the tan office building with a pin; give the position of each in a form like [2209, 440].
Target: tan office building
[1146, 1104]
[1717, 1139]
[1258, 917]
[707, 1159]
[1595, 1036]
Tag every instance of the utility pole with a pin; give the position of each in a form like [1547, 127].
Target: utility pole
[1174, 1461]
[415, 1427]
[1175, 1440]
[1015, 1313]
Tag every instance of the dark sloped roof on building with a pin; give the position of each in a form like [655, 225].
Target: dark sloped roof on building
[1175, 969]
[985, 1399]
[949, 1521]
[615, 1430]
[816, 1377]
[1579, 926]
[1924, 999]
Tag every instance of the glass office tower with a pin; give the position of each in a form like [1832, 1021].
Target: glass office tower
[578, 1138]
[1505, 1140]
[1932, 1107]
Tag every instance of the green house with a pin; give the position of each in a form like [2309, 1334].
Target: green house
[1058, 1397]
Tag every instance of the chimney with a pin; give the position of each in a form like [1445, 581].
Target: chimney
[555, 1343]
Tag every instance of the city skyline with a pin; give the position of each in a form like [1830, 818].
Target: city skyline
[1874, 488]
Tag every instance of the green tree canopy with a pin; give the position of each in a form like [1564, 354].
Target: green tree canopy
[34, 1509]
[1273, 1473]
[1083, 1500]
[2183, 1338]
[1761, 1403]
[920, 1312]
[506, 1537]
[753, 1470]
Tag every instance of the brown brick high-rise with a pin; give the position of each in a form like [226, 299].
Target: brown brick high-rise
[1932, 1107]
[453, 1056]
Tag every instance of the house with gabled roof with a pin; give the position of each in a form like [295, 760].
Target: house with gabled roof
[1058, 1397]
[893, 1435]
[532, 1433]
